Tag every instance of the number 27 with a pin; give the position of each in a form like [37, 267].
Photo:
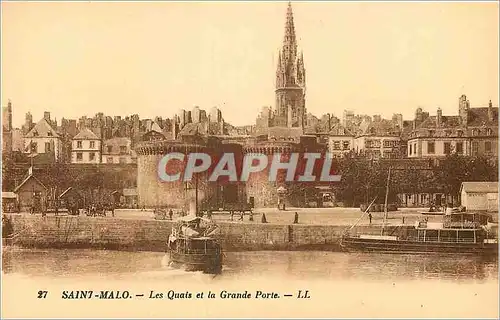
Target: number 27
[42, 294]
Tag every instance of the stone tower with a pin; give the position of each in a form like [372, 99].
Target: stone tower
[290, 80]
[7, 128]
[463, 109]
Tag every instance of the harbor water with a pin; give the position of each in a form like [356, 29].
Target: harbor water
[339, 285]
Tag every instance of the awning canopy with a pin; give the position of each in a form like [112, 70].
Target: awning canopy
[9, 195]
[192, 218]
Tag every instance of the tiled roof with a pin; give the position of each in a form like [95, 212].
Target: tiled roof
[381, 128]
[340, 130]
[479, 117]
[446, 122]
[488, 187]
[42, 129]
[85, 134]
[26, 180]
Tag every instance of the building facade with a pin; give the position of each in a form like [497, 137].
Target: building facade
[340, 141]
[379, 138]
[86, 148]
[43, 139]
[118, 151]
[473, 132]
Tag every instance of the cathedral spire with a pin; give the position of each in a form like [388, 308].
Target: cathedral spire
[290, 40]
[290, 80]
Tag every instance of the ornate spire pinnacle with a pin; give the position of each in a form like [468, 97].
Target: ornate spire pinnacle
[290, 40]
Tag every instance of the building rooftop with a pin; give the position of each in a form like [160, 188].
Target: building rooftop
[480, 186]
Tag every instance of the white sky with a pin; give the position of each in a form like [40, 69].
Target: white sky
[75, 59]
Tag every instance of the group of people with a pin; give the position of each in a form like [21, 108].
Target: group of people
[97, 209]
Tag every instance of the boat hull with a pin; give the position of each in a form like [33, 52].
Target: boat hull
[429, 213]
[207, 263]
[401, 246]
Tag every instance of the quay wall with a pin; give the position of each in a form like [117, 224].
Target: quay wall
[152, 235]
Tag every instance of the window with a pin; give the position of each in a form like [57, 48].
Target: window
[460, 147]
[487, 146]
[431, 133]
[475, 147]
[122, 160]
[47, 147]
[460, 133]
[123, 149]
[489, 132]
[79, 144]
[430, 147]
[336, 145]
[50, 134]
[79, 156]
[34, 147]
[387, 143]
[447, 148]
[410, 149]
[387, 154]
[110, 149]
[92, 156]
[346, 145]
[109, 159]
[92, 144]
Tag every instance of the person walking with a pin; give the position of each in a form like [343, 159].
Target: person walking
[263, 220]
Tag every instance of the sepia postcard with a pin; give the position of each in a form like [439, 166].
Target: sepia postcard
[230, 159]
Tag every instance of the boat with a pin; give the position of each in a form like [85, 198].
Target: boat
[192, 245]
[456, 233]
[432, 213]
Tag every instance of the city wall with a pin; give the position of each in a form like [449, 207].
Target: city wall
[152, 235]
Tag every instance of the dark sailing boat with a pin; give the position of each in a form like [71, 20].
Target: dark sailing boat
[462, 232]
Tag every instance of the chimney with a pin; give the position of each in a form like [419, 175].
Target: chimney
[490, 111]
[439, 117]
[46, 116]
[175, 130]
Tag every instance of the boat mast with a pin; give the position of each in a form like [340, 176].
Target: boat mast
[385, 203]
[196, 194]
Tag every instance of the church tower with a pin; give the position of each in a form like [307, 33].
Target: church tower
[290, 110]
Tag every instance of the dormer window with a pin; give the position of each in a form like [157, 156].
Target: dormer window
[49, 133]
[489, 132]
[431, 133]
[35, 133]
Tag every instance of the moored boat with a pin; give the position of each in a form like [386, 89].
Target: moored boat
[192, 245]
[457, 232]
[465, 233]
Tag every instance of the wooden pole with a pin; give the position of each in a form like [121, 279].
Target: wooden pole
[385, 203]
